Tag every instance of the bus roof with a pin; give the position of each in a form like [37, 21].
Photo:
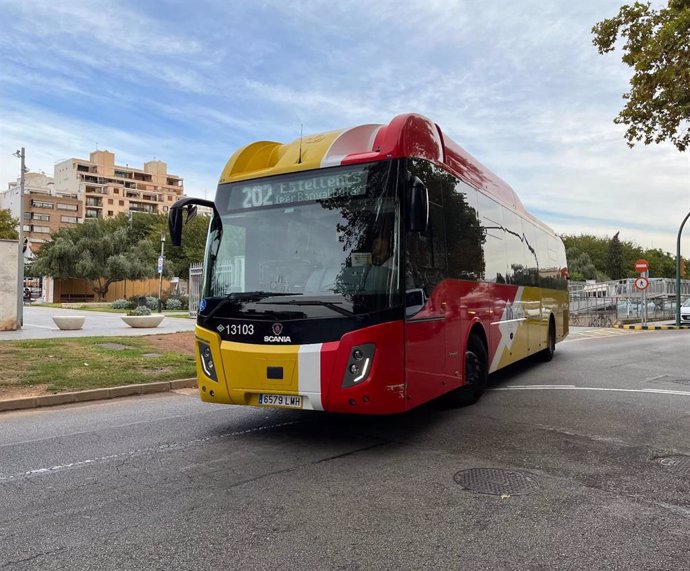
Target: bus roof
[408, 135]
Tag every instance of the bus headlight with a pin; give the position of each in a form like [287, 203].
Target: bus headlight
[359, 365]
[207, 361]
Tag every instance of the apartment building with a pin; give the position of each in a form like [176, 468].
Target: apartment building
[45, 209]
[108, 189]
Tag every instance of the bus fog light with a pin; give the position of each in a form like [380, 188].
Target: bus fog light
[207, 363]
[359, 365]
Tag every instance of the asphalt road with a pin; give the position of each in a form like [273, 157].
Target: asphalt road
[598, 440]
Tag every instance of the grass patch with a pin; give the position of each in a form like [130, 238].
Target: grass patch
[81, 363]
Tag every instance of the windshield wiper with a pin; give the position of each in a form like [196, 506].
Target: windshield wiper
[247, 296]
[328, 304]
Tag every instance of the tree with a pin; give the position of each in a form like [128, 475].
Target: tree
[614, 262]
[98, 250]
[657, 47]
[8, 226]
[177, 259]
[581, 268]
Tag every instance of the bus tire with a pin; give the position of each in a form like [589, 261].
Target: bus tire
[547, 354]
[476, 374]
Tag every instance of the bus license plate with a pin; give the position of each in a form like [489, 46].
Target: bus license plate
[289, 401]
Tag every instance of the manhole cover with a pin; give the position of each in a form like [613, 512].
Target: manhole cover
[113, 346]
[496, 482]
[676, 463]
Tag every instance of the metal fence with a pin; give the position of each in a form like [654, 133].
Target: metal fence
[195, 271]
[602, 304]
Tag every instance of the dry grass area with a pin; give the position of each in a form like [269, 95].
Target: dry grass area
[45, 366]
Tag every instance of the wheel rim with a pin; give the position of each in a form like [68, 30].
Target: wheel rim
[473, 369]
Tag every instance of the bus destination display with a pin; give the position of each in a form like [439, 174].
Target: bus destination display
[253, 194]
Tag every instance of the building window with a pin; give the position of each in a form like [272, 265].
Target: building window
[41, 204]
[121, 202]
[70, 219]
[110, 213]
[169, 198]
[110, 201]
[165, 209]
[36, 216]
[116, 191]
[40, 229]
[73, 207]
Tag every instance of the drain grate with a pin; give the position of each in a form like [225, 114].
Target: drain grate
[496, 482]
[676, 463]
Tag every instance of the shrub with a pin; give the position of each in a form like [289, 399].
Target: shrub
[141, 310]
[182, 299]
[120, 304]
[152, 302]
[174, 304]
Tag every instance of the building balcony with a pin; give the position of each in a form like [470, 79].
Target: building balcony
[142, 208]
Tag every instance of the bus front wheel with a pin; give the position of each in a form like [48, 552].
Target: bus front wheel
[476, 374]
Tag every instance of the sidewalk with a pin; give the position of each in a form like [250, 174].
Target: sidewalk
[38, 324]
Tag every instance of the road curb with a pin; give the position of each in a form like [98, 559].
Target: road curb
[652, 327]
[96, 394]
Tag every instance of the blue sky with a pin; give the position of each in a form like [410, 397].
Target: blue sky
[518, 84]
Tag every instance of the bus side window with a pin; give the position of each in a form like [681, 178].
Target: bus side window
[494, 250]
[464, 233]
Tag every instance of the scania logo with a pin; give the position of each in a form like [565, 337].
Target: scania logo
[277, 329]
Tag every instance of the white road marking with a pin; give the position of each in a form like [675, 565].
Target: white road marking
[574, 388]
[39, 326]
[140, 452]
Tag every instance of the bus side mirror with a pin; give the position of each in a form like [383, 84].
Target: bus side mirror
[418, 207]
[175, 216]
[175, 225]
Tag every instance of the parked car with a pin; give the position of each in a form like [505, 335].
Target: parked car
[685, 311]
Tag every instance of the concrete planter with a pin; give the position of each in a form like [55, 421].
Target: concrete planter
[143, 320]
[69, 322]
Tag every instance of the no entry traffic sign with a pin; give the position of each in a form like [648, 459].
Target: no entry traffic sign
[641, 266]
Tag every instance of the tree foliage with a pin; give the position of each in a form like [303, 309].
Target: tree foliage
[657, 48]
[614, 260]
[177, 259]
[98, 250]
[588, 258]
[8, 226]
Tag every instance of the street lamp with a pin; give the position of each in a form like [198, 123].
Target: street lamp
[161, 258]
[680, 230]
[20, 154]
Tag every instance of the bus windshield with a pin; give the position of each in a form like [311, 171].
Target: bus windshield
[328, 238]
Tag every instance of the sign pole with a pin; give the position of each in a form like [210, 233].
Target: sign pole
[644, 303]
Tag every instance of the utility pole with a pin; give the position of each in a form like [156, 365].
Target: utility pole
[680, 230]
[20, 154]
[160, 272]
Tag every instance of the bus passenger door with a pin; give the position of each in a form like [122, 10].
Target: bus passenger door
[427, 309]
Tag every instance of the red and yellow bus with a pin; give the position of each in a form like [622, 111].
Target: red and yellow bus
[369, 270]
